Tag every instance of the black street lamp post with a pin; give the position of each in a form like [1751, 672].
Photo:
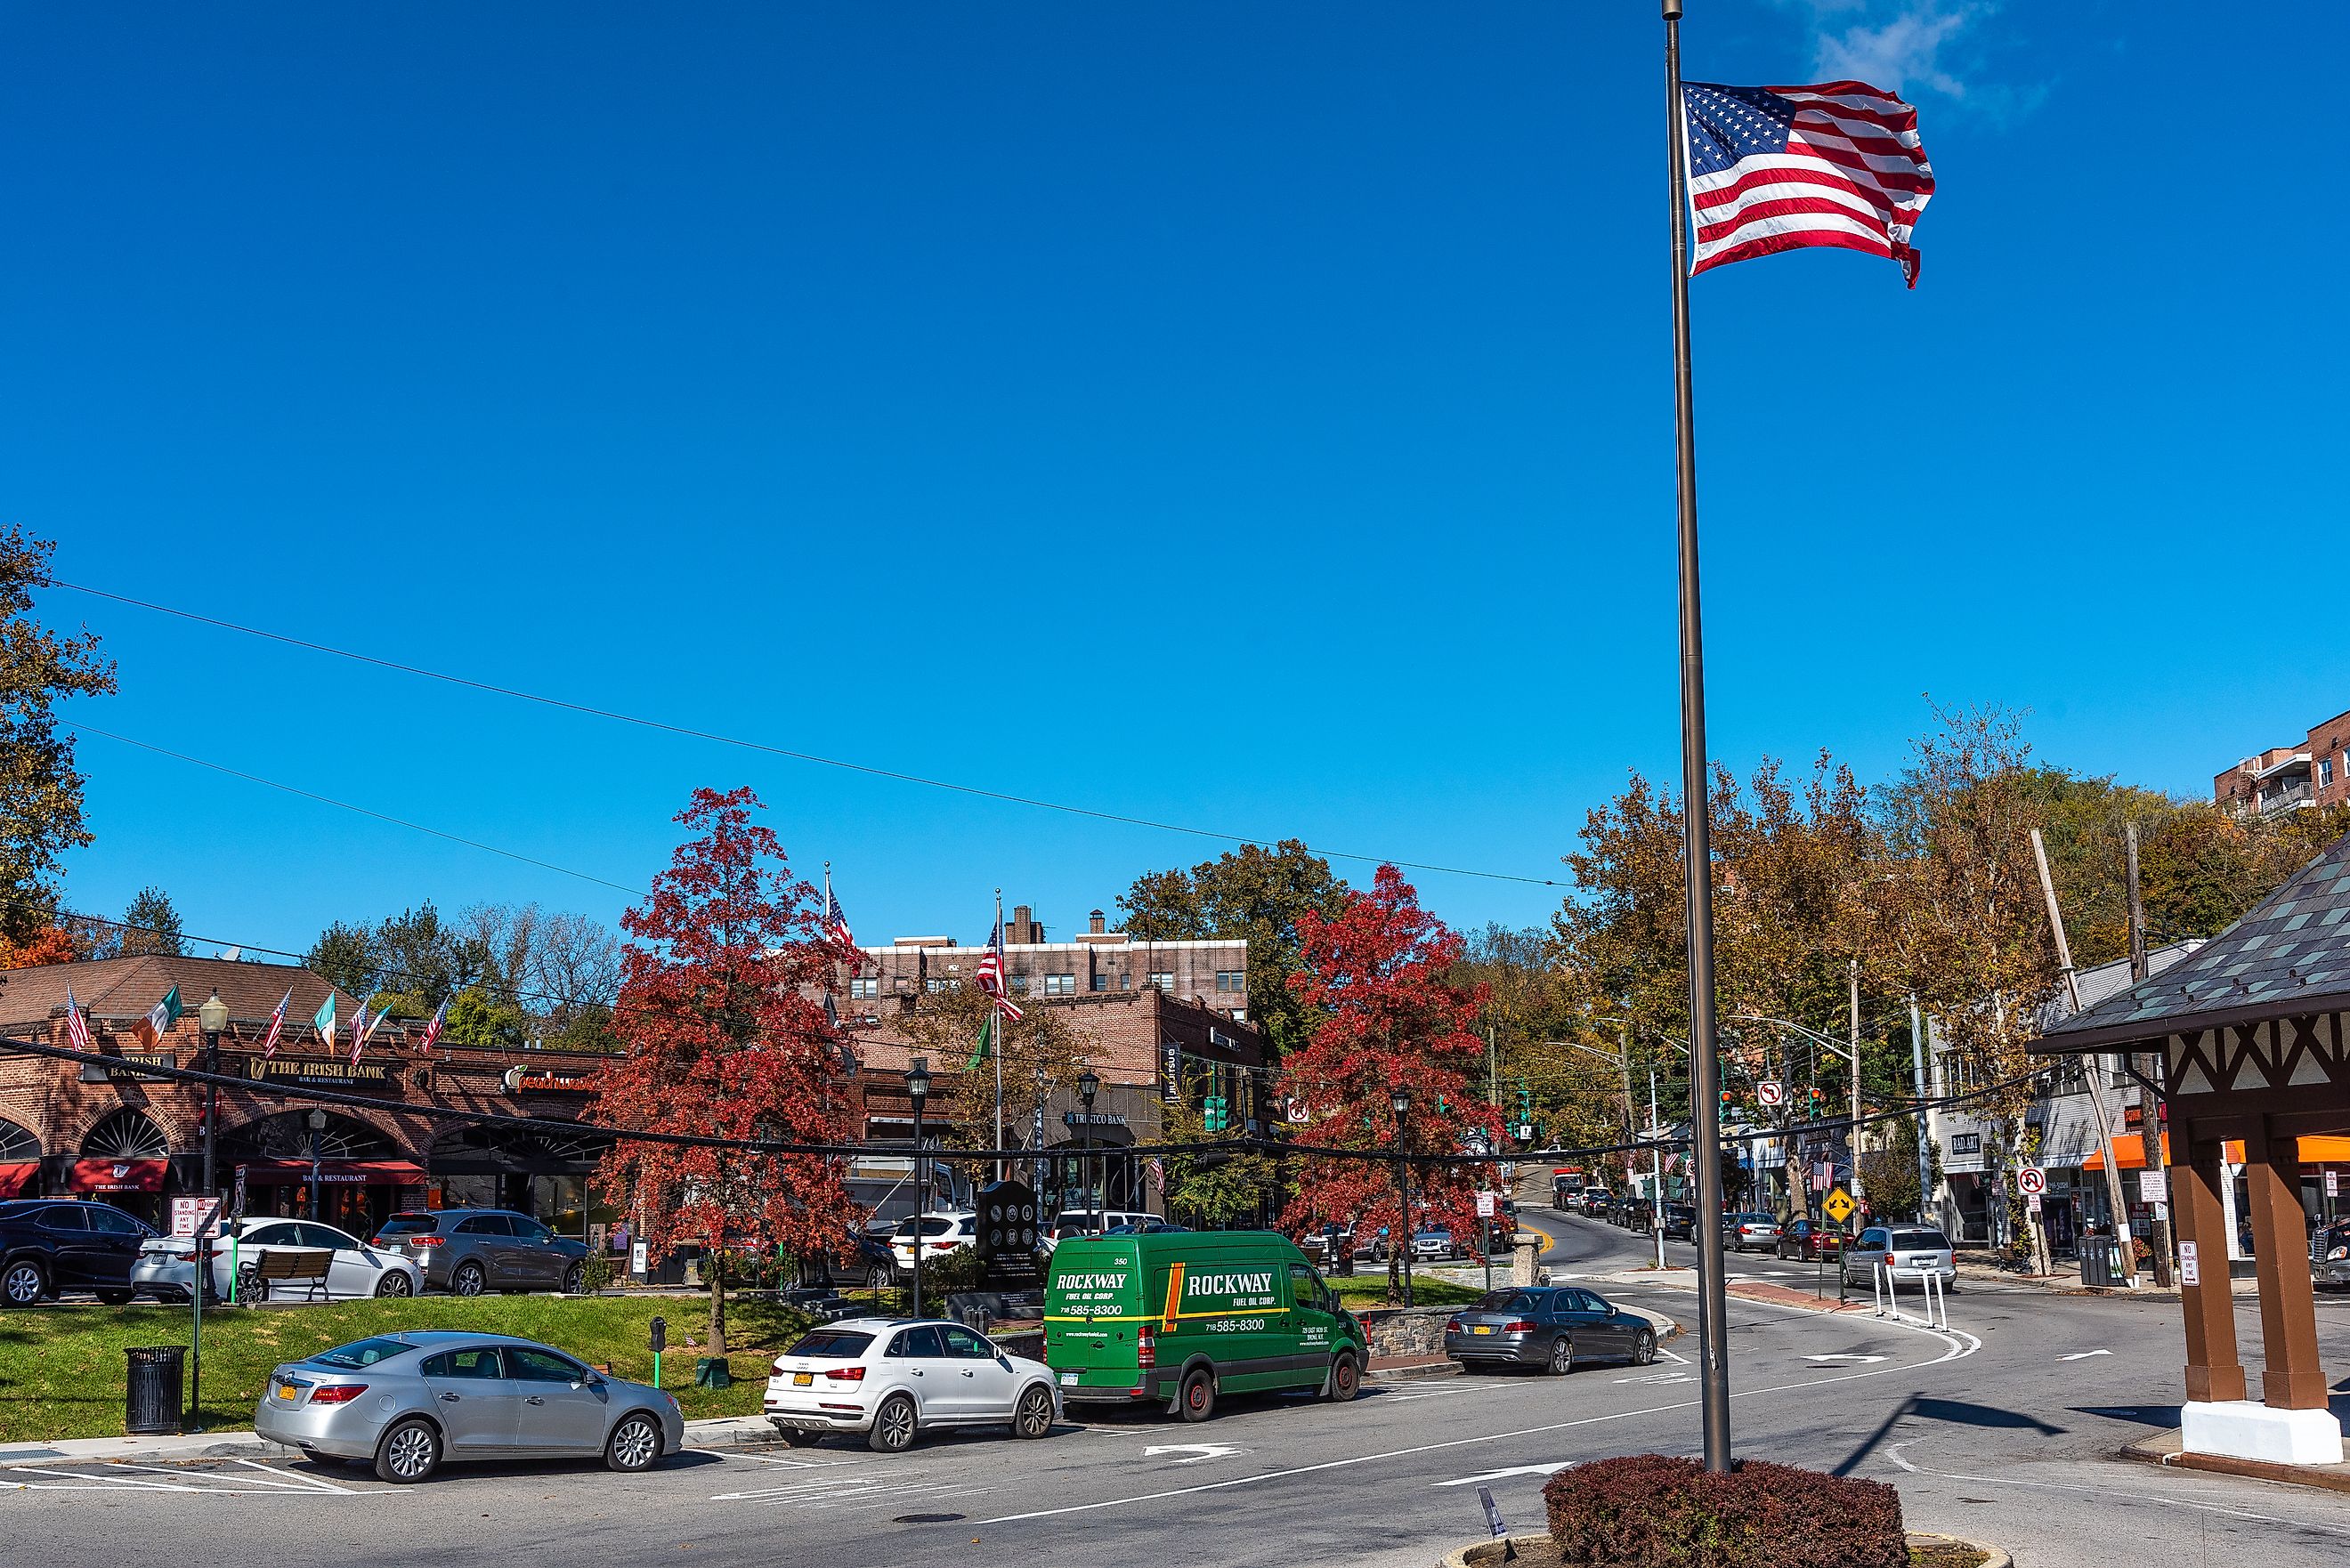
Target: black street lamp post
[1088, 1085]
[211, 1018]
[1400, 1103]
[318, 1120]
[918, 1089]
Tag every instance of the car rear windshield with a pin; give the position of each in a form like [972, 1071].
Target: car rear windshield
[362, 1353]
[401, 1224]
[838, 1341]
[1920, 1239]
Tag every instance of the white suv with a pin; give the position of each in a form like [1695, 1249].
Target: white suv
[942, 1231]
[1077, 1222]
[890, 1378]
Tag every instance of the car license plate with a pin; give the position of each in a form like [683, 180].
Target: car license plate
[285, 1391]
[802, 1379]
[1069, 1379]
[1481, 1328]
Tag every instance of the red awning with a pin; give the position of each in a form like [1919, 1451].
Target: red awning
[118, 1174]
[334, 1172]
[17, 1175]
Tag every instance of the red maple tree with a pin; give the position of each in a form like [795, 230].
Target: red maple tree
[725, 1034]
[1375, 976]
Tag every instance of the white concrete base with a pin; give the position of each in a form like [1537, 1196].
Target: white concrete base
[2243, 1429]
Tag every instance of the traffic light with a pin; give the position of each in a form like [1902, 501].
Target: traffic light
[1525, 1101]
[1216, 1115]
[1725, 1099]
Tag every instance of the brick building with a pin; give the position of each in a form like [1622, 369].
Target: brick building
[1095, 961]
[79, 1128]
[2313, 773]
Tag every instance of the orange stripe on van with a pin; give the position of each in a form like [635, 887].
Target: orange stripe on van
[1174, 1297]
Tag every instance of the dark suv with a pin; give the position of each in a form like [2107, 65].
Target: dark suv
[468, 1250]
[49, 1246]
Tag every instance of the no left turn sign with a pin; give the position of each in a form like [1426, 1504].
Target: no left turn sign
[1770, 1091]
[2031, 1181]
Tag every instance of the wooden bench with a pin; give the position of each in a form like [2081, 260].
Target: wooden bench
[290, 1264]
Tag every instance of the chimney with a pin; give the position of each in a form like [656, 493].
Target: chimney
[1024, 929]
[1094, 923]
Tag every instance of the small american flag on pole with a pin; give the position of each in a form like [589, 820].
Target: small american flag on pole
[1775, 169]
[432, 1029]
[990, 977]
[77, 1026]
[836, 925]
[276, 1025]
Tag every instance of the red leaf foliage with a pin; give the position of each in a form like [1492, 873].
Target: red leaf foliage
[1654, 1511]
[725, 1035]
[1375, 975]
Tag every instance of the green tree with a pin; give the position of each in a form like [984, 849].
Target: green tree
[151, 925]
[346, 956]
[40, 784]
[1211, 1190]
[478, 1018]
[1252, 894]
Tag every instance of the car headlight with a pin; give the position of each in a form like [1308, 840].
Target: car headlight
[2339, 1254]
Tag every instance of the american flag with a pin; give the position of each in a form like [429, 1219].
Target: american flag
[990, 977]
[276, 1025]
[360, 1030]
[836, 925]
[1774, 169]
[77, 1026]
[432, 1029]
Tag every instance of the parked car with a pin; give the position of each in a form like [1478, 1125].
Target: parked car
[1680, 1222]
[1249, 1314]
[1434, 1245]
[1749, 1233]
[436, 1395]
[1551, 1326]
[1077, 1222]
[1315, 1244]
[941, 1232]
[468, 1250]
[890, 1379]
[166, 1269]
[1911, 1251]
[1150, 1225]
[1808, 1241]
[51, 1246]
[2329, 1253]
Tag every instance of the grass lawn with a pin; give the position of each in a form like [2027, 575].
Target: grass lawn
[1370, 1290]
[61, 1367]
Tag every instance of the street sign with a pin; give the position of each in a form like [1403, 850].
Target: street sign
[1839, 1205]
[1770, 1091]
[1487, 1206]
[2190, 1272]
[2150, 1186]
[2032, 1201]
[1526, 1130]
[2031, 1180]
[2332, 1184]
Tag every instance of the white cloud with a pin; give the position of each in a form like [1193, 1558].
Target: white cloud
[1913, 45]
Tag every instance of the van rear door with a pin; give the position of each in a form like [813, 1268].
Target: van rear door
[1094, 1310]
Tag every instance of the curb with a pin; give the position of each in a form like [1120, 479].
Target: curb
[1992, 1556]
[2146, 1451]
[713, 1432]
[1411, 1371]
[1458, 1556]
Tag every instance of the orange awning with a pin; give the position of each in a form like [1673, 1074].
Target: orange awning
[2314, 1151]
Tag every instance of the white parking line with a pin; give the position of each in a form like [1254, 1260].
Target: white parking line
[2131, 1494]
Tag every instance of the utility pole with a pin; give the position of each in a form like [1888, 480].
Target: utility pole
[1852, 1038]
[1657, 1175]
[1631, 1116]
[2093, 1069]
[2150, 1107]
[1917, 1083]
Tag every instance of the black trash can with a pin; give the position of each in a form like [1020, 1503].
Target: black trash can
[151, 1401]
[2096, 1264]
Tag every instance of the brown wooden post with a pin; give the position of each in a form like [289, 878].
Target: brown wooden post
[2291, 1378]
[2214, 1370]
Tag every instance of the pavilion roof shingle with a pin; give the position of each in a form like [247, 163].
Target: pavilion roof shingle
[2290, 956]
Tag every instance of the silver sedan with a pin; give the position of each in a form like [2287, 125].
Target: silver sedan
[408, 1403]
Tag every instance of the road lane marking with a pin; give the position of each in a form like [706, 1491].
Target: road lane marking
[1512, 1470]
[315, 1483]
[1842, 1356]
[1199, 1451]
[2130, 1494]
[1961, 1345]
[2084, 1354]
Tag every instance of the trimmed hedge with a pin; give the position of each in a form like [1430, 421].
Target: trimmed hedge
[1648, 1511]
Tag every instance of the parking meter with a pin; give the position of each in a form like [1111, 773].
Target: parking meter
[660, 1343]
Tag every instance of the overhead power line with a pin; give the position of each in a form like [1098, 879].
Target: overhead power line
[689, 732]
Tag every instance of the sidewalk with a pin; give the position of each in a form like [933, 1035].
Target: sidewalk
[719, 1432]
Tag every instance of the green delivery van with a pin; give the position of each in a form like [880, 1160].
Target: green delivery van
[1187, 1316]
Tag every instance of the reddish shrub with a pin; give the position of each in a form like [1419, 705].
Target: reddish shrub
[1648, 1511]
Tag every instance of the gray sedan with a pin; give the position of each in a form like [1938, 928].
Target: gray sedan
[1549, 1326]
[408, 1402]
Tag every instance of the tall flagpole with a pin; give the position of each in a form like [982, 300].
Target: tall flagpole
[995, 1030]
[1705, 1070]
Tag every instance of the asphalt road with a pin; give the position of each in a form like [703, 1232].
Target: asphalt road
[2000, 1431]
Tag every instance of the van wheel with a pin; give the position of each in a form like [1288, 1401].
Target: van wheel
[1196, 1399]
[1345, 1379]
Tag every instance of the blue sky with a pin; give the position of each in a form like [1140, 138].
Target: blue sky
[1249, 417]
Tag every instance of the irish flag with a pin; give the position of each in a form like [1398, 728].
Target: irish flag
[160, 1019]
[325, 1020]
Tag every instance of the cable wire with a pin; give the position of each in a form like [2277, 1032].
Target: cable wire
[688, 730]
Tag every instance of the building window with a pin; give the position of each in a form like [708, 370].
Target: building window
[1060, 986]
[2324, 772]
[940, 982]
[1232, 979]
[863, 985]
[1102, 980]
[1164, 979]
[1020, 984]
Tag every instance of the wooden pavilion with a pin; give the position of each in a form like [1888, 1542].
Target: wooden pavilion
[2252, 1032]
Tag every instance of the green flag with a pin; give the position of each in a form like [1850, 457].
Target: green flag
[986, 1035]
[325, 1019]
